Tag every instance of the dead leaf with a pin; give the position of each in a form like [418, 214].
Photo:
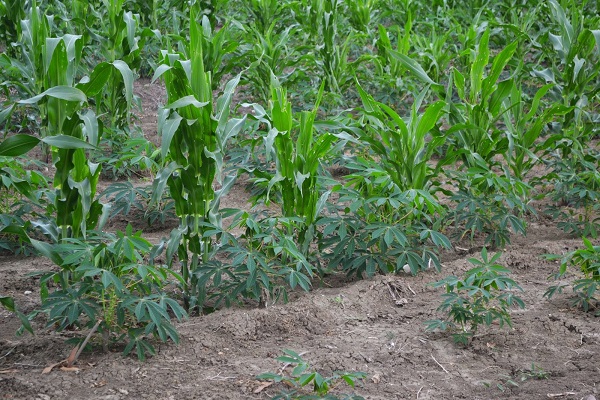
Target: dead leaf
[262, 387]
[8, 371]
[72, 356]
[49, 368]
[376, 378]
[98, 384]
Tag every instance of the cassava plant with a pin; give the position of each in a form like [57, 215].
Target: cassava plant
[482, 297]
[587, 261]
[111, 287]
[303, 379]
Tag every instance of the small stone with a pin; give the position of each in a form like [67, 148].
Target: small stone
[123, 391]
[27, 292]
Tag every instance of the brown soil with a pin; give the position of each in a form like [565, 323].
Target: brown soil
[375, 326]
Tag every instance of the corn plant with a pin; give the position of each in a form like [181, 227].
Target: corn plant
[524, 124]
[24, 71]
[575, 56]
[297, 153]
[482, 297]
[270, 52]
[264, 12]
[387, 63]
[360, 13]
[194, 134]
[401, 145]
[321, 19]
[12, 12]
[473, 121]
[71, 132]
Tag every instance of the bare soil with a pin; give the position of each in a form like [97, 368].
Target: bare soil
[374, 326]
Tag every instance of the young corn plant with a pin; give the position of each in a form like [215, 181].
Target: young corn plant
[12, 12]
[575, 57]
[525, 122]
[473, 121]
[403, 147]
[194, 134]
[360, 13]
[297, 153]
[271, 52]
[482, 297]
[71, 132]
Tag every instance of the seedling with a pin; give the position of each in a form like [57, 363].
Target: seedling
[482, 297]
[302, 376]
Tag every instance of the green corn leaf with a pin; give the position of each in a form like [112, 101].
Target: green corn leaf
[429, 119]
[186, 101]
[498, 66]
[5, 113]
[91, 128]
[94, 84]
[160, 71]
[68, 142]
[415, 68]
[478, 68]
[17, 145]
[128, 78]
[167, 130]
[58, 92]
[47, 250]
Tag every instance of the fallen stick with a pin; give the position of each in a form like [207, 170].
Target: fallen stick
[441, 366]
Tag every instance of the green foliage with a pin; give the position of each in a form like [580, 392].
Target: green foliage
[271, 53]
[574, 54]
[382, 230]
[402, 147]
[194, 138]
[302, 376]
[587, 261]
[473, 121]
[107, 278]
[262, 263]
[489, 204]
[576, 185]
[483, 296]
